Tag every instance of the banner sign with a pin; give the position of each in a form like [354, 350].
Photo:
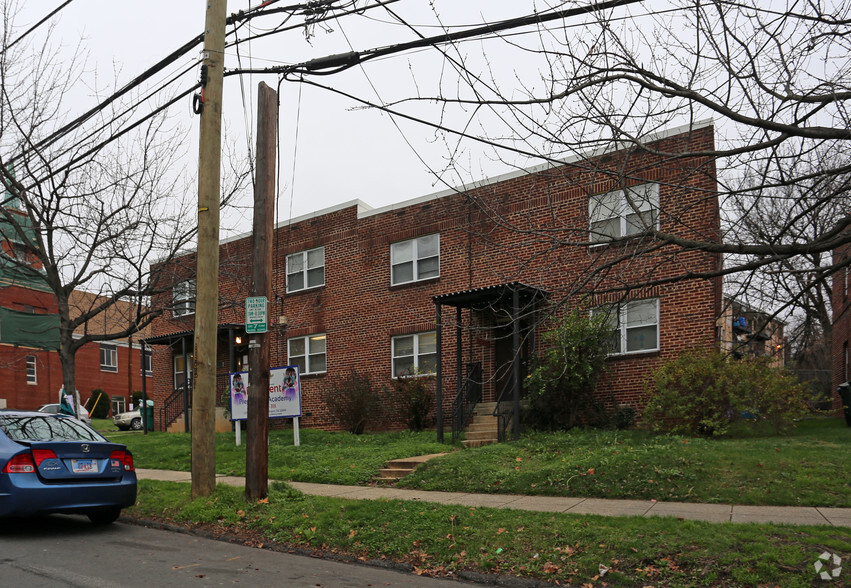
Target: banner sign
[284, 394]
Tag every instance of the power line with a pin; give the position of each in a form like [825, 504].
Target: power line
[35, 26]
[343, 61]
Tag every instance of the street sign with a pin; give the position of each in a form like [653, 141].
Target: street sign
[256, 314]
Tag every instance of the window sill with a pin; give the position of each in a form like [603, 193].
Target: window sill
[628, 354]
[294, 292]
[414, 283]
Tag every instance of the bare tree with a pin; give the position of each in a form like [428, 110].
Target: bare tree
[775, 81]
[91, 203]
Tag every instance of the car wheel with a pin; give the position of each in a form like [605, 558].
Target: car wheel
[136, 424]
[105, 515]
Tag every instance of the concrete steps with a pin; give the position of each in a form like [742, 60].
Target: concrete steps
[483, 429]
[396, 469]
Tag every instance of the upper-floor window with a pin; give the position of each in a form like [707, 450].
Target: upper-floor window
[415, 259]
[415, 354]
[308, 353]
[306, 269]
[622, 213]
[183, 298]
[108, 358]
[32, 370]
[147, 364]
[635, 325]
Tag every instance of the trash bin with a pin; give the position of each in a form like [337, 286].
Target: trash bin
[845, 396]
[149, 414]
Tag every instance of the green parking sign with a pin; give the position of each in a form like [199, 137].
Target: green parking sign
[256, 314]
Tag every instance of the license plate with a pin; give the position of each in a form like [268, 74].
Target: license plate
[82, 466]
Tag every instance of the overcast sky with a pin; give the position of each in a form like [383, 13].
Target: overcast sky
[332, 150]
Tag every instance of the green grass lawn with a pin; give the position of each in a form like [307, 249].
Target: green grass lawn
[811, 467]
[449, 539]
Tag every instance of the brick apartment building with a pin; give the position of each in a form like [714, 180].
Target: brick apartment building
[841, 286]
[29, 339]
[747, 332]
[361, 288]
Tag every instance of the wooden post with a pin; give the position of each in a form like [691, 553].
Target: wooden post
[207, 274]
[257, 448]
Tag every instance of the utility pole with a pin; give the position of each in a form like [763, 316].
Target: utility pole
[257, 450]
[207, 276]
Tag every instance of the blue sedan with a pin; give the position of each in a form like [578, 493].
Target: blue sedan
[56, 464]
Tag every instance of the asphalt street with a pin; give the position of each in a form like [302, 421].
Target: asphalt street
[70, 551]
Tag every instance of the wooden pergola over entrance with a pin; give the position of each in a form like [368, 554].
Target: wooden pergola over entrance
[513, 301]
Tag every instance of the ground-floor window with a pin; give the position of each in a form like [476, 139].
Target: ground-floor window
[118, 404]
[308, 353]
[415, 354]
[180, 369]
[635, 325]
[32, 370]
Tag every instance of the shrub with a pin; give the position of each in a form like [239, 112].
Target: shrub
[99, 404]
[415, 396]
[564, 379]
[704, 393]
[353, 402]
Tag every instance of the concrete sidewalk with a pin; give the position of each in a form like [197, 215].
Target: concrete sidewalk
[713, 513]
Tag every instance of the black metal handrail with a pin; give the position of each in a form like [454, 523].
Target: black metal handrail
[466, 400]
[173, 407]
[504, 412]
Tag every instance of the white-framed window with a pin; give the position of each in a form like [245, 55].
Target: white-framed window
[32, 370]
[108, 358]
[180, 370]
[415, 259]
[183, 298]
[622, 213]
[118, 404]
[147, 362]
[308, 353]
[415, 354]
[306, 269]
[635, 325]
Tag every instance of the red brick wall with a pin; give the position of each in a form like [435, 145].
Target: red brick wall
[529, 228]
[19, 394]
[841, 323]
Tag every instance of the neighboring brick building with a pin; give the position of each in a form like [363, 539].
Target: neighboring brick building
[841, 322]
[746, 332]
[29, 337]
[357, 288]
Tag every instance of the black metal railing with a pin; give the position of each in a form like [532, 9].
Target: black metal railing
[173, 406]
[504, 412]
[466, 400]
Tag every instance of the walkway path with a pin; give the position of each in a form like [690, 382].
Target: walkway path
[714, 513]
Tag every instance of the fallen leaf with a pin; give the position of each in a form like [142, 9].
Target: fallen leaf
[551, 568]
[263, 501]
[500, 531]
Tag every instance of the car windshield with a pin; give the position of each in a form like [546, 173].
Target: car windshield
[46, 428]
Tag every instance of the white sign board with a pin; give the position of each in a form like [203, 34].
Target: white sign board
[284, 394]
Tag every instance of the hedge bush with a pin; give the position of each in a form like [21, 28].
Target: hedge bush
[353, 402]
[705, 392]
[415, 397]
[99, 404]
[561, 387]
